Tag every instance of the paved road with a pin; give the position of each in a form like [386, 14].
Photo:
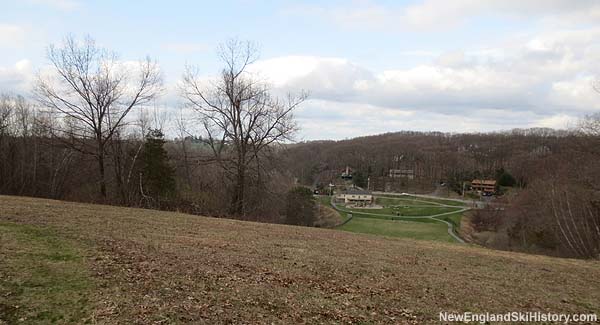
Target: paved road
[451, 231]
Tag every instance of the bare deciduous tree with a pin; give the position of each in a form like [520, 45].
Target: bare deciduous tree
[240, 116]
[94, 91]
[183, 133]
[6, 108]
[576, 220]
[590, 124]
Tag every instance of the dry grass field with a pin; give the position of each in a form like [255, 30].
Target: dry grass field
[75, 263]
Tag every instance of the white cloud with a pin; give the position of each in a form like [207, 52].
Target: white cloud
[11, 36]
[325, 78]
[577, 94]
[281, 70]
[559, 121]
[545, 80]
[435, 14]
[442, 14]
[321, 119]
[16, 78]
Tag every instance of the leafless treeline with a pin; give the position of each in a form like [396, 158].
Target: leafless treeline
[83, 134]
[554, 207]
[27, 167]
[93, 92]
[560, 209]
[38, 158]
[434, 156]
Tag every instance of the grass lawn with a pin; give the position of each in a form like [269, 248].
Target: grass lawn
[452, 218]
[406, 206]
[139, 266]
[432, 200]
[389, 220]
[43, 278]
[426, 230]
[405, 210]
[387, 201]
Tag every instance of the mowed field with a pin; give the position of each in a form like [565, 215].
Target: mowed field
[76, 263]
[425, 229]
[402, 216]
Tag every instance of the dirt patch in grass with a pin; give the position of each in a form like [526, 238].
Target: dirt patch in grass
[158, 267]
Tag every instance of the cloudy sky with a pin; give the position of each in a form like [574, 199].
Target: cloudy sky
[370, 66]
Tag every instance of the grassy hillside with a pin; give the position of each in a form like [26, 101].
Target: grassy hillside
[71, 262]
[424, 229]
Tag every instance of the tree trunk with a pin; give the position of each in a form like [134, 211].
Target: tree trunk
[118, 168]
[102, 173]
[237, 204]
[188, 173]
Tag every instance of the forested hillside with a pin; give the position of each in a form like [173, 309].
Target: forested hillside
[549, 194]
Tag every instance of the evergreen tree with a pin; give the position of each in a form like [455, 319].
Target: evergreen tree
[359, 179]
[504, 178]
[300, 207]
[158, 175]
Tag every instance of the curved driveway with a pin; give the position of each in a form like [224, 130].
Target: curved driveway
[451, 231]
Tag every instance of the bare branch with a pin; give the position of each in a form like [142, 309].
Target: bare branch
[239, 115]
[94, 92]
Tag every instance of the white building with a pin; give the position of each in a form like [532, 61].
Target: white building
[402, 173]
[354, 195]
